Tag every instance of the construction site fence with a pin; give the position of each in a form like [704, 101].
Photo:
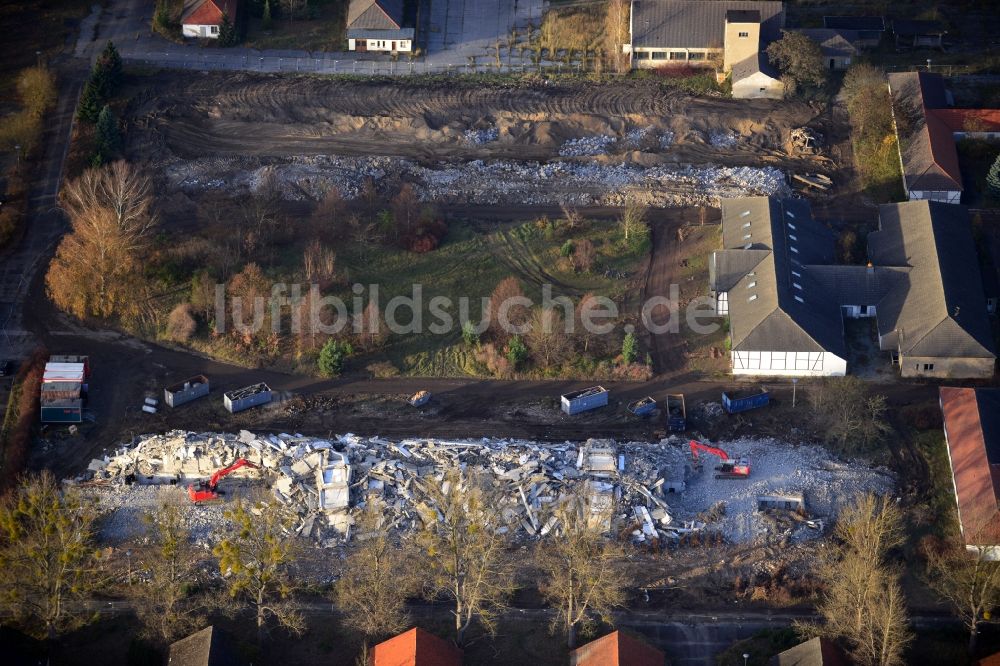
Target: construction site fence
[275, 64]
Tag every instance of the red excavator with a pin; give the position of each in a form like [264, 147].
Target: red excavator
[209, 490]
[729, 469]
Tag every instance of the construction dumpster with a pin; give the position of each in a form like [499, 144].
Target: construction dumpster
[62, 411]
[190, 389]
[741, 401]
[676, 412]
[643, 407]
[247, 397]
[585, 399]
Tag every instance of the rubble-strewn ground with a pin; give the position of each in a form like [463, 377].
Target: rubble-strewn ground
[546, 143]
[634, 478]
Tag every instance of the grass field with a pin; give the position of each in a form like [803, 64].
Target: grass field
[470, 264]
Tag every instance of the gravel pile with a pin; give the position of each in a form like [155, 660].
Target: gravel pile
[723, 139]
[586, 146]
[478, 137]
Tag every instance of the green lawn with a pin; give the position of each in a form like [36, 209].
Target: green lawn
[470, 264]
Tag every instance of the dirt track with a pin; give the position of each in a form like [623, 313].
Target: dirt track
[247, 114]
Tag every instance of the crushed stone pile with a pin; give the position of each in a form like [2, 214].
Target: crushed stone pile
[479, 137]
[586, 146]
[723, 139]
[653, 491]
[493, 182]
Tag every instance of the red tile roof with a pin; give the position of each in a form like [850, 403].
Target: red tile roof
[959, 120]
[416, 647]
[209, 12]
[976, 472]
[616, 649]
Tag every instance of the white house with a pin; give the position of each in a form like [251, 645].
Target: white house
[203, 18]
[377, 26]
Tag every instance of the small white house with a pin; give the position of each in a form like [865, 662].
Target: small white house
[204, 18]
[377, 26]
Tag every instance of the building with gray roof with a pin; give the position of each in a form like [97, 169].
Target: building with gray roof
[787, 301]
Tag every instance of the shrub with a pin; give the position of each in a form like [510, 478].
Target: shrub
[37, 88]
[566, 249]
[383, 370]
[181, 324]
[469, 334]
[517, 351]
[495, 362]
[22, 415]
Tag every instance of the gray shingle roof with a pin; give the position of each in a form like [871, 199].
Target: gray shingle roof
[858, 285]
[375, 15]
[697, 24]
[727, 267]
[833, 43]
[940, 309]
[778, 306]
[930, 159]
[208, 647]
[750, 66]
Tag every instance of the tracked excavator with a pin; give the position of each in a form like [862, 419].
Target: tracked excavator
[728, 468]
[207, 491]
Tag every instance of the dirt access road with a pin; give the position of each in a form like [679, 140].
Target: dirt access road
[192, 115]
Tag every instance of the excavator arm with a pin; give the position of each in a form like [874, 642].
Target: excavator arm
[698, 446]
[209, 490]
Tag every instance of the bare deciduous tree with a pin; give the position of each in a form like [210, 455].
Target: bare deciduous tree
[584, 256]
[377, 578]
[465, 548]
[633, 219]
[852, 418]
[255, 560]
[94, 270]
[320, 264]
[968, 580]
[616, 32]
[863, 603]
[547, 339]
[47, 555]
[582, 573]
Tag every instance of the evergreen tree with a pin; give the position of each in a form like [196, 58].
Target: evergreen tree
[109, 138]
[517, 351]
[993, 178]
[112, 63]
[630, 348]
[267, 19]
[227, 32]
[331, 357]
[90, 103]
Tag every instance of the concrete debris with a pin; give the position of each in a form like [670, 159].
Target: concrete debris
[493, 182]
[649, 490]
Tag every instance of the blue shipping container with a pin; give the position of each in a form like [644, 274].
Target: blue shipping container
[247, 397]
[586, 399]
[741, 401]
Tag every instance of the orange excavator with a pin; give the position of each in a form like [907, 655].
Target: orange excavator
[209, 490]
[728, 469]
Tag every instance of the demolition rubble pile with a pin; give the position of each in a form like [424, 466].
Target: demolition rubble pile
[492, 182]
[647, 491]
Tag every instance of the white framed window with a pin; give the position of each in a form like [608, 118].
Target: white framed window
[214, 29]
[751, 285]
[753, 297]
[745, 34]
